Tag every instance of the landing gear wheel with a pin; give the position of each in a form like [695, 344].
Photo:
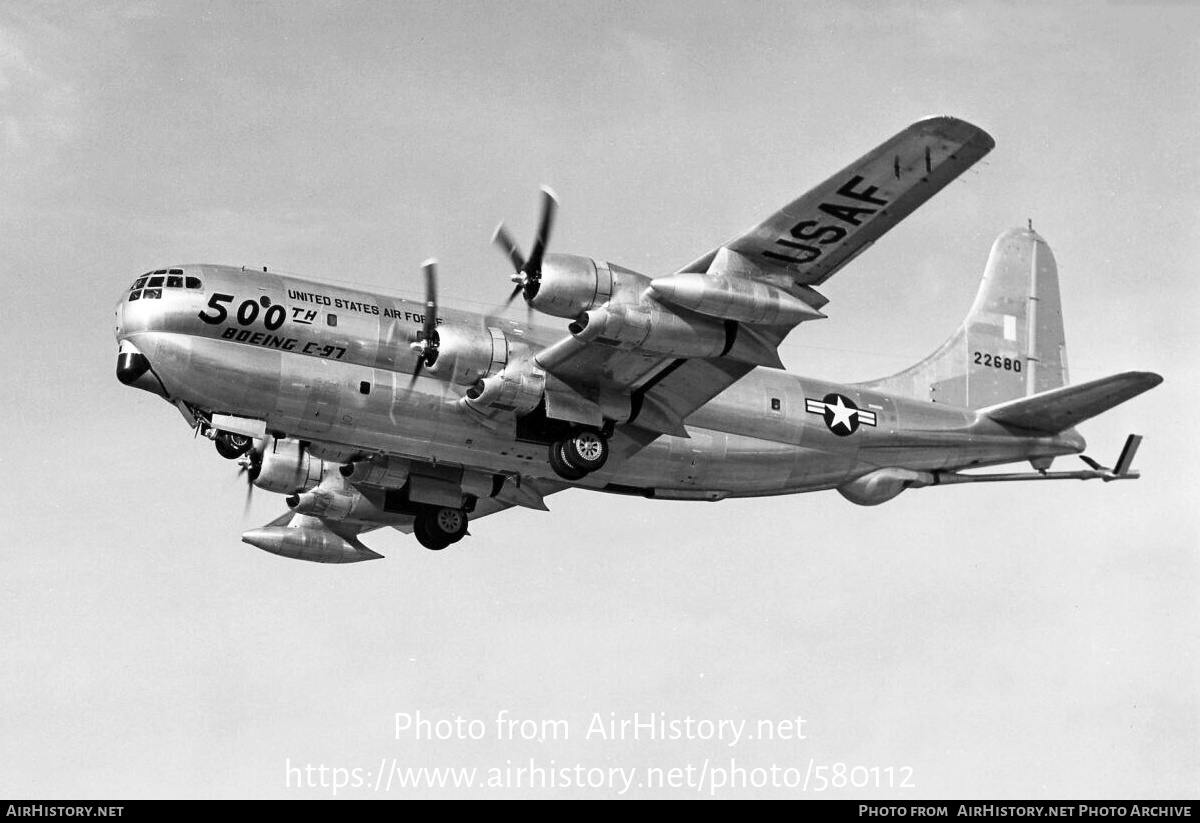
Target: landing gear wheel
[426, 537]
[560, 465]
[439, 526]
[232, 446]
[586, 450]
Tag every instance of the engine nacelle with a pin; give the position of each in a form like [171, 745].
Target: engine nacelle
[286, 468]
[466, 355]
[647, 327]
[518, 389]
[733, 298]
[380, 470]
[333, 503]
[570, 285]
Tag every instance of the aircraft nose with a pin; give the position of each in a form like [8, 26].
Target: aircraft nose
[133, 369]
[131, 366]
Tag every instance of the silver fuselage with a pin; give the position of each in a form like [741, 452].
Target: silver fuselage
[332, 365]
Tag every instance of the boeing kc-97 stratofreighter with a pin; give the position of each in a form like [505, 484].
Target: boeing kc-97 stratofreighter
[369, 410]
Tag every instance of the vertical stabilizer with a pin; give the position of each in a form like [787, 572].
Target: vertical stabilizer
[1011, 344]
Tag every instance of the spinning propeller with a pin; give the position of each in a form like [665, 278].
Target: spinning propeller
[249, 464]
[527, 276]
[528, 270]
[426, 346]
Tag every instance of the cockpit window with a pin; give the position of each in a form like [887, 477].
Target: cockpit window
[156, 281]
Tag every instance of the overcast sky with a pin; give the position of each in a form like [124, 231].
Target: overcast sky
[1000, 641]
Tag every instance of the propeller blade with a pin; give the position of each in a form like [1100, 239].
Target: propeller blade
[533, 266]
[504, 240]
[426, 345]
[528, 269]
[429, 268]
[248, 465]
[514, 294]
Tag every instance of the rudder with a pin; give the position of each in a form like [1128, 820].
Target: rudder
[1011, 344]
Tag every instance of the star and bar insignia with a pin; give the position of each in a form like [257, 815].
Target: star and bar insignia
[842, 417]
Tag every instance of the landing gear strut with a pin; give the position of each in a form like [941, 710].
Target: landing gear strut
[436, 527]
[584, 452]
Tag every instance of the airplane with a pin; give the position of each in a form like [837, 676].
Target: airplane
[369, 410]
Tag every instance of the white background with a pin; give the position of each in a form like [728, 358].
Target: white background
[1014, 640]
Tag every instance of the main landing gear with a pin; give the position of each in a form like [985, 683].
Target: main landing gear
[584, 452]
[436, 527]
[232, 446]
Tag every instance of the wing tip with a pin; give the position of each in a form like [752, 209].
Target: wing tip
[1149, 379]
[956, 129]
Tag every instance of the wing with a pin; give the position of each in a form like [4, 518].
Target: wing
[528, 493]
[815, 235]
[323, 540]
[756, 288]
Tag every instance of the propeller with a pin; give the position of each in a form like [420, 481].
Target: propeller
[528, 270]
[249, 464]
[426, 346]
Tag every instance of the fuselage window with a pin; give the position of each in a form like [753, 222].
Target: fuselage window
[774, 404]
[156, 282]
[331, 319]
[174, 282]
[194, 283]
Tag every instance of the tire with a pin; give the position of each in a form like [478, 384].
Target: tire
[586, 450]
[449, 523]
[438, 527]
[426, 538]
[560, 465]
[232, 446]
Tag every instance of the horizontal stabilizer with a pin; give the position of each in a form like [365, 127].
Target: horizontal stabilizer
[1059, 409]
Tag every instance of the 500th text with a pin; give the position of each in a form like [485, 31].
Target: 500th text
[247, 312]
[273, 316]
